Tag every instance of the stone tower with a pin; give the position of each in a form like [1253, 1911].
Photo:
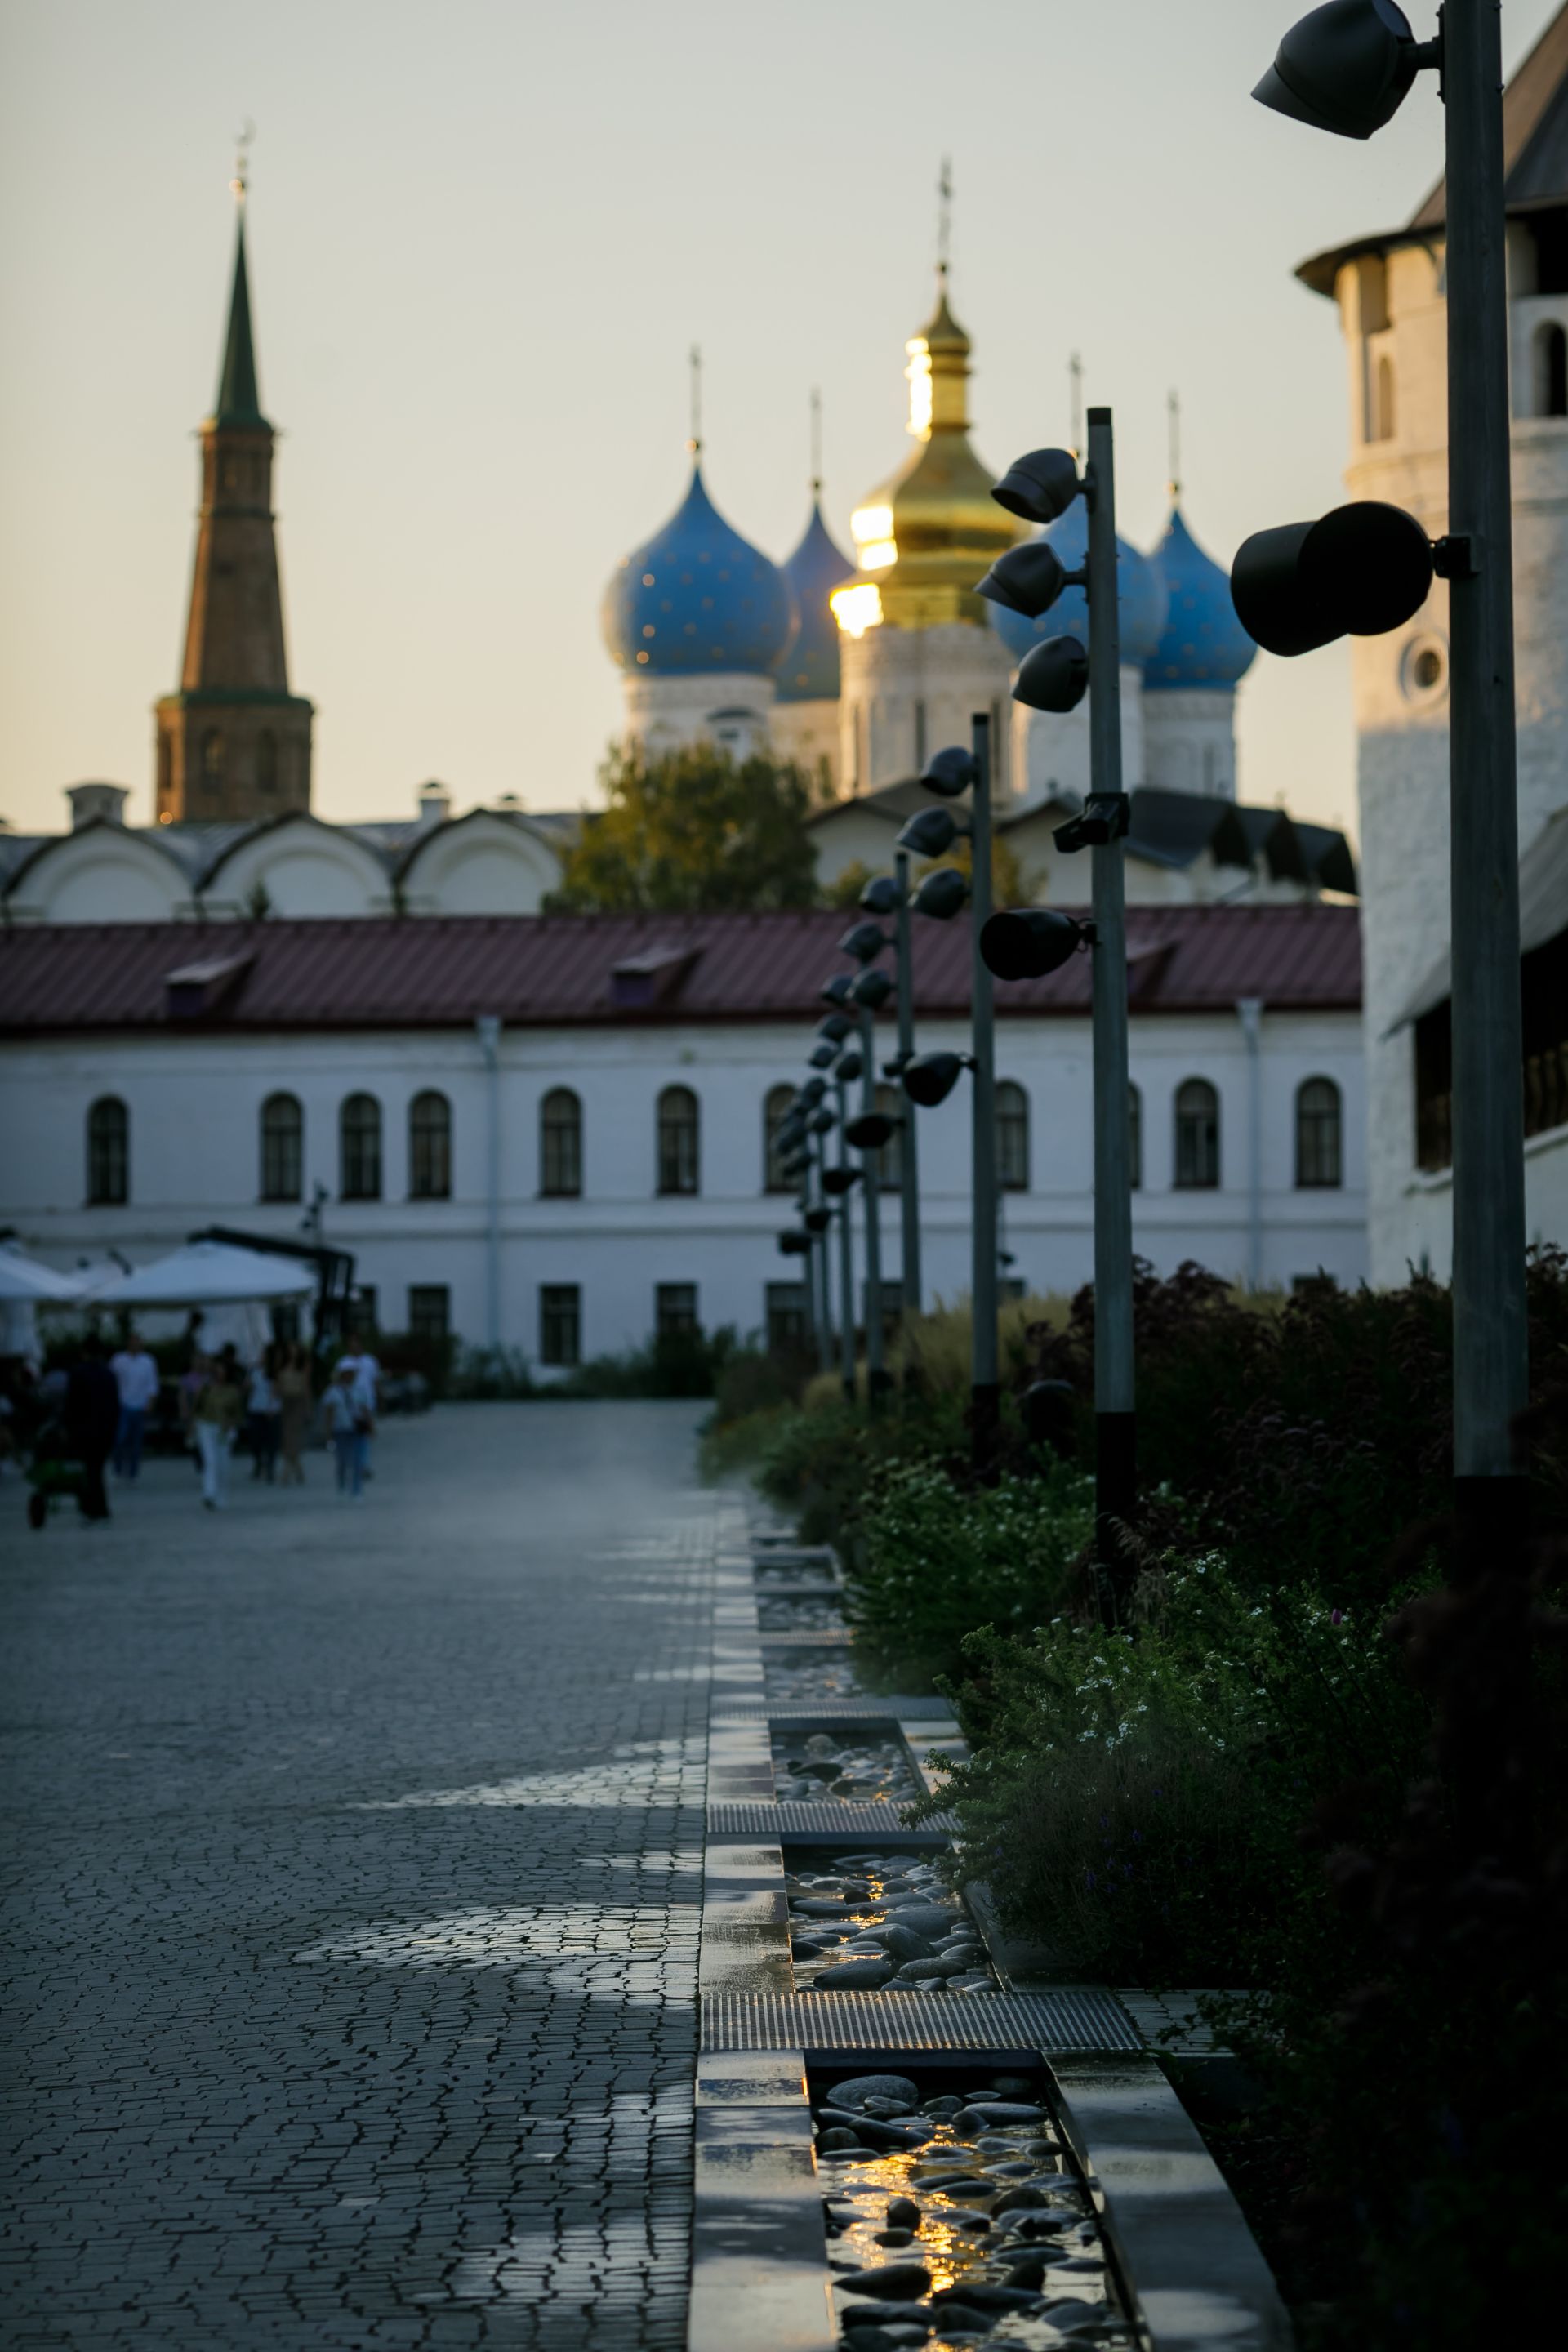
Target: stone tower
[233, 742]
[1390, 292]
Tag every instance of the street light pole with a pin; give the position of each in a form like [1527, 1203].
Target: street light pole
[871, 1182]
[1490, 1340]
[909, 1172]
[821, 1295]
[1115, 1425]
[845, 1249]
[985, 1390]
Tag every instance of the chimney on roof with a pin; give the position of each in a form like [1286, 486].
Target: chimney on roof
[435, 805]
[93, 803]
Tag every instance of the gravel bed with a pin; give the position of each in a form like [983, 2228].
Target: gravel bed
[810, 1766]
[824, 1616]
[789, 1567]
[822, 1673]
[954, 2216]
[881, 1923]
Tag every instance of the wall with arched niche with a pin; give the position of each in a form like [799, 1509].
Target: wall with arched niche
[480, 865]
[300, 867]
[99, 874]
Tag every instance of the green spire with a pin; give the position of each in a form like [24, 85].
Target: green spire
[239, 402]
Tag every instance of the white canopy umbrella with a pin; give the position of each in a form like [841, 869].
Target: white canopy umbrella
[208, 1273]
[25, 1281]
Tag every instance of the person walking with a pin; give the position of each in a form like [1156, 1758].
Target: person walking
[361, 1370]
[345, 1420]
[263, 1418]
[215, 1420]
[136, 1376]
[92, 1419]
[293, 1386]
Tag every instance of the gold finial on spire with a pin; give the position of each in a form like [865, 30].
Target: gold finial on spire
[1075, 397]
[815, 443]
[695, 444]
[943, 219]
[241, 180]
[1173, 427]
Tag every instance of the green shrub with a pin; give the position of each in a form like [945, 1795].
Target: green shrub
[937, 1558]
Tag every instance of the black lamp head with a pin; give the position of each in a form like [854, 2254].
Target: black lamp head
[1026, 943]
[864, 941]
[930, 833]
[1053, 675]
[849, 1068]
[930, 1078]
[833, 1027]
[813, 1091]
[823, 1122]
[1357, 572]
[836, 990]
[822, 1057]
[838, 1180]
[793, 1244]
[872, 990]
[818, 1220]
[880, 896]
[1026, 580]
[869, 1132]
[942, 895]
[1039, 487]
[1345, 67]
[950, 772]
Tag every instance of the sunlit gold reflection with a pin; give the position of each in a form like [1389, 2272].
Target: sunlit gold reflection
[858, 607]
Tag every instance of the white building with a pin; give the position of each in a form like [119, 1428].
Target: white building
[150, 1086]
[1389, 289]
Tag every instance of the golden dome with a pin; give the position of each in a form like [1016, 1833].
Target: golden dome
[926, 535]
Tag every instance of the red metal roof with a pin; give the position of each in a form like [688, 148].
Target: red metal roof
[537, 970]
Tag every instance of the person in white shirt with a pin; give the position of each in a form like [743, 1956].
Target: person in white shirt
[263, 1420]
[136, 1378]
[360, 1374]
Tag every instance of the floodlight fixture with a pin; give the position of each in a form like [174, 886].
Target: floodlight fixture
[930, 833]
[813, 1090]
[838, 1180]
[872, 990]
[1040, 485]
[864, 941]
[1359, 571]
[1346, 67]
[930, 1078]
[1053, 675]
[823, 1122]
[1027, 579]
[818, 1220]
[950, 772]
[869, 1132]
[1027, 942]
[942, 894]
[794, 1243]
[849, 1068]
[880, 896]
[822, 1057]
[835, 1026]
[836, 990]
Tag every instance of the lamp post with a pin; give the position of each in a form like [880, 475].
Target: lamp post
[1346, 68]
[847, 1068]
[881, 897]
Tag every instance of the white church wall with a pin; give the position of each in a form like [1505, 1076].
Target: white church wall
[1050, 749]
[1189, 741]
[482, 865]
[906, 693]
[807, 733]
[665, 714]
[103, 873]
[302, 868]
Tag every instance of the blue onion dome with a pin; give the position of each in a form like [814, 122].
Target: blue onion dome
[809, 671]
[1203, 644]
[1141, 597]
[697, 596]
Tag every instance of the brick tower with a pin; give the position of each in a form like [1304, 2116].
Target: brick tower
[234, 742]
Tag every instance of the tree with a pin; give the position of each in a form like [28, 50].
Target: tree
[690, 831]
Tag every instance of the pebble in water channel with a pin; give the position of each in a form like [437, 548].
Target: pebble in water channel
[809, 1766]
[881, 1923]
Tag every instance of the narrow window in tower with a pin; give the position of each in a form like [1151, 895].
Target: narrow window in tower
[267, 762]
[1551, 369]
[1383, 404]
[212, 760]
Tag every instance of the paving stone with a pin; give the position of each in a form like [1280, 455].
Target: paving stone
[355, 1854]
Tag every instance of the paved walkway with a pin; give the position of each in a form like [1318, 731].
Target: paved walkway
[355, 1867]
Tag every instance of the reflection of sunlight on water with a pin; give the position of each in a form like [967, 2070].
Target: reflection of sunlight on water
[630, 1953]
[647, 1772]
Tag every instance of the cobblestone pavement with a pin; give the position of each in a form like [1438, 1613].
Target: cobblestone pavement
[353, 1883]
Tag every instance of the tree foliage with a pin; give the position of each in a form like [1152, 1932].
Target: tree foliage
[692, 832]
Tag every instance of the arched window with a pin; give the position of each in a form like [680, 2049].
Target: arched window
[893, 1103]
[1012, 1137]
[107, 1153]
[359, 1137]
[429, 1148]
[1197, 1136]
[212, 760]
[561, 1145]
[678, 1155]
[267, 761]
[1134, 1138]
[282, 1149]
[775, 1110]
[1383, 401]
[1320, 1153]
[1551, 369]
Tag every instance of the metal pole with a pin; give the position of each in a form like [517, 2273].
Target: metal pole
[1115, 1449]
[984, 1391]
[871, 1180]
[909, 1169]
[845, 1252]
[1490, 1342]
[820, 1299]
[488, 1027]
[1249, 1012]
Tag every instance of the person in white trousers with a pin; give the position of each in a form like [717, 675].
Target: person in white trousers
[220, 1401]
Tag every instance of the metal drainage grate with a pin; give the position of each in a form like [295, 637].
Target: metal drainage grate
[1072, 2018]
[796, 1711]
[837, 1638]
[838, 1822]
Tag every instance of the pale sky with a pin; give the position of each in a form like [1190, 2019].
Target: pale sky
[482, 238]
